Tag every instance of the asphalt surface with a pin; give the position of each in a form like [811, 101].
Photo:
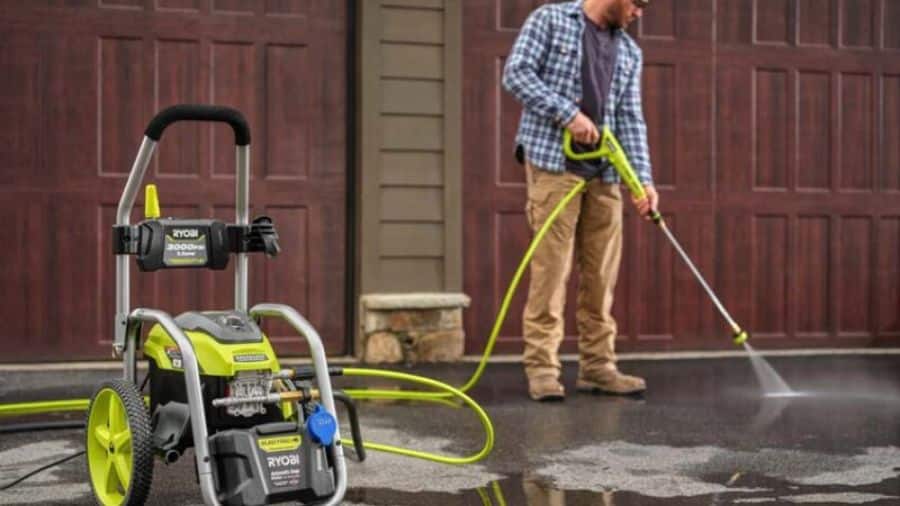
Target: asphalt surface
[704, 433]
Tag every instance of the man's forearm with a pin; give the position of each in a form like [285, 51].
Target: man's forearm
[632, 129]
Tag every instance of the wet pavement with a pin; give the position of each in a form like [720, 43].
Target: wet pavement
[703, 434]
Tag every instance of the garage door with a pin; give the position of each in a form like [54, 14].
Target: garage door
[774, 128]
[81, 80]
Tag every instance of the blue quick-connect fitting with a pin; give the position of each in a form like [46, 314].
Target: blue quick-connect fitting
[321, 426]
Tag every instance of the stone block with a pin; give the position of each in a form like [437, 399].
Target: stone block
[383, 347]
[438, 346]
[376, 321]
[413, 327]
[418, 319]
[450, 319]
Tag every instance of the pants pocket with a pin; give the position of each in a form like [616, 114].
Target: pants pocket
[535, 204]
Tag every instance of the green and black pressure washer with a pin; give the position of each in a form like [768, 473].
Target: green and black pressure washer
[260, 433]
[215, 383]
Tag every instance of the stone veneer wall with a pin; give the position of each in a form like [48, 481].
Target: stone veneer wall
[411, 328]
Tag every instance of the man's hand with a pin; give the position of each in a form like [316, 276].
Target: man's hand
[648, 203]
[584, 131]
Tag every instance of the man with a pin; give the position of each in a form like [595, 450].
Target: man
[573, 66]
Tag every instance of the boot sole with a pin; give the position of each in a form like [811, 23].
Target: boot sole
[548, 397]
[592, 388]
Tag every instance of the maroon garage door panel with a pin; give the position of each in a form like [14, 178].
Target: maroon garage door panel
[773, 128]
[81, 80]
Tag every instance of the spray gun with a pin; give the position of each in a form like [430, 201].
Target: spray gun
[610, 149]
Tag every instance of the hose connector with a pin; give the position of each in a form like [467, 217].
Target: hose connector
[740, 337]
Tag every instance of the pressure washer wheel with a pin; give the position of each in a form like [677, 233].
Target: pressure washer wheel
[118, 444]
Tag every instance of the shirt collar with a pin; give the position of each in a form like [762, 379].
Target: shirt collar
[574, 8]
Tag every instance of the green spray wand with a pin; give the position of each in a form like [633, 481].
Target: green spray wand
[610, 149]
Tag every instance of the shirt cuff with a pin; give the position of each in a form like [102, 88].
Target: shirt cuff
[566, 114]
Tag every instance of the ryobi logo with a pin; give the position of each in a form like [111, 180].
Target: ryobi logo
[291, 460]
[185, 233]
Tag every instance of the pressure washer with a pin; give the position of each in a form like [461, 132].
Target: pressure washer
[214, 380]
[260, 433]
[215, 384]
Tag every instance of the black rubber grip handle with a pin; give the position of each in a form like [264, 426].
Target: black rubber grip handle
[190, 112]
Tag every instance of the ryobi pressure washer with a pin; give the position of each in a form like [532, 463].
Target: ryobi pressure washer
[215, 382]
[260, 433]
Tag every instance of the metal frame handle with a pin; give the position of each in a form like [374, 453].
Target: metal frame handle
[193, 112]
[195, 392]
[132, 186]
[323, 379]
[194, 395]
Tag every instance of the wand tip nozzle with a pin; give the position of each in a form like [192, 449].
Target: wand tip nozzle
[740, 337]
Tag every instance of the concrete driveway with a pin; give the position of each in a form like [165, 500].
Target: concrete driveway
[703, 434]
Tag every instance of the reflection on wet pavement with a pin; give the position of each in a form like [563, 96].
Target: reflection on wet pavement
[703, 434]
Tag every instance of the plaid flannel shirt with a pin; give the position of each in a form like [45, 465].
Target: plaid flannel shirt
[543, 71]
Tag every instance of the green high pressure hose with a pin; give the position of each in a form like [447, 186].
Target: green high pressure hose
[498, 321]
[443, 392]
[449, 392]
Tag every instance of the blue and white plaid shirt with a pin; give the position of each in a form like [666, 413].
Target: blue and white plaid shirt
[543, 71]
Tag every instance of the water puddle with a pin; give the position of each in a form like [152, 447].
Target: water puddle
[534, 489]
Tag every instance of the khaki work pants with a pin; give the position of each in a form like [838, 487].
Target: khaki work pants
[591, 228]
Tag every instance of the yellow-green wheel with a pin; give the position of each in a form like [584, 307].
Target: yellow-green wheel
[118, 445]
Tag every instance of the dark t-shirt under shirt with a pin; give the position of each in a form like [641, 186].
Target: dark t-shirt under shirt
[598, 62]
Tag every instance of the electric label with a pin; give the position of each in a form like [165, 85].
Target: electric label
[279, 444]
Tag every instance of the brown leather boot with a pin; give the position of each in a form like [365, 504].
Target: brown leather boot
[546, 388]
[609, 381]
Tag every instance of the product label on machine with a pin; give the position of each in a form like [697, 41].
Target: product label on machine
[184, 247]
[284, 471]
[282, 460]
[174, 357]
[279, 444]
[251, 357]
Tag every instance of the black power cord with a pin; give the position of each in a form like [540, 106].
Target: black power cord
[42, 426]
[36, 471]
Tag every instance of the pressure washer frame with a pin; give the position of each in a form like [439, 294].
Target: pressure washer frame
[128, 322]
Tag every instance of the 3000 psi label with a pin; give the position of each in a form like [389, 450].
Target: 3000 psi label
[185, 246]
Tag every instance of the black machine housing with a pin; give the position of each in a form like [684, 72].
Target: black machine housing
[171, 243]
[270, 463]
